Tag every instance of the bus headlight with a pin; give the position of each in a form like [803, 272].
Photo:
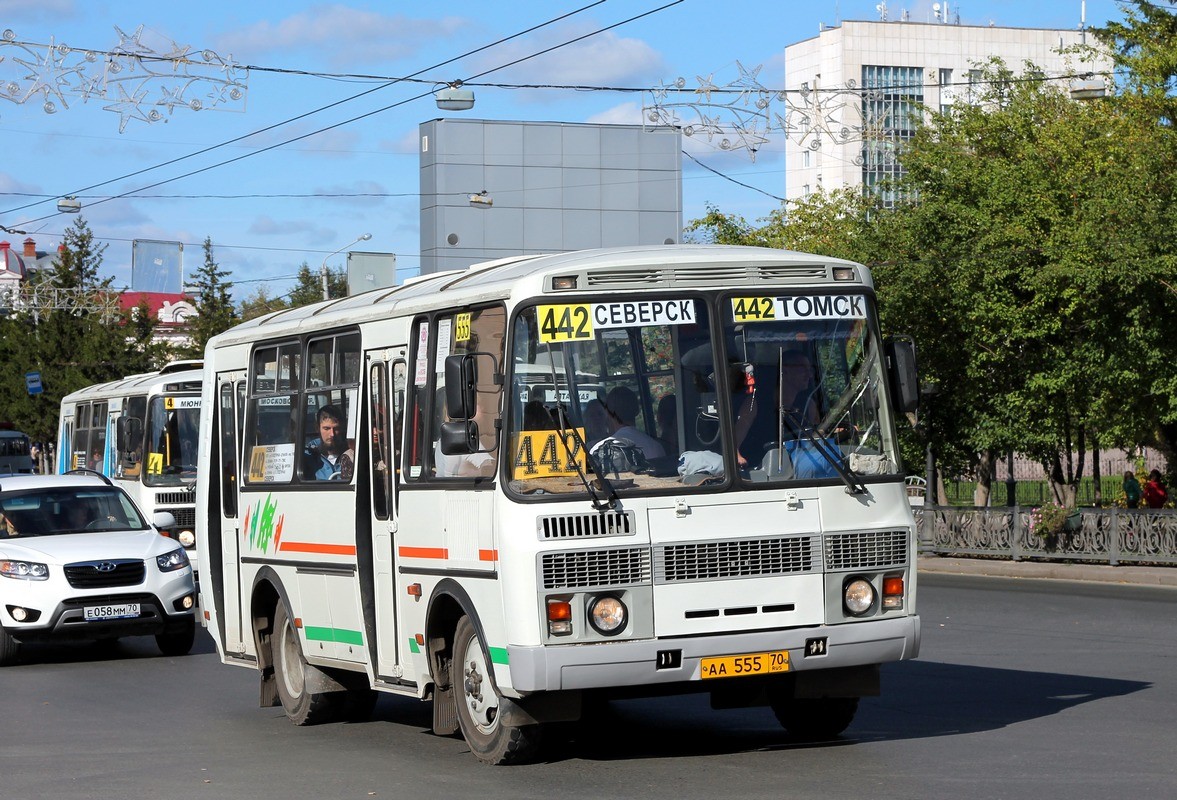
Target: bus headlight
[858, 597]
[187, 538]
[608, 615]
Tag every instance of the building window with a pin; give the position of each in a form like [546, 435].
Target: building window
[891, 101]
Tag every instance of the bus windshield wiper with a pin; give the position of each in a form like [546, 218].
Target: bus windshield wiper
[563, 429]
[854, 485]
[602, 481]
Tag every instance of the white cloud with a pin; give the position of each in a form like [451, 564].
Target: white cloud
[409, 143]
[306, 230]
[601, 60]
[37, 9]
[345, 36]
[623, 114]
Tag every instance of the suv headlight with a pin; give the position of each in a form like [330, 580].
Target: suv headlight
[24, 570]
[172, 561]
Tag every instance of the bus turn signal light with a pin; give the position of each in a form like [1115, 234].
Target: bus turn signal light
[892, 593]
[559, 617]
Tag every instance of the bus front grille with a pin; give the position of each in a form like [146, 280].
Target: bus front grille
[582, 569]
[702, 276]
[577, 526]
[185, 517]
[866, 549]
[187, 497]
[745, 558]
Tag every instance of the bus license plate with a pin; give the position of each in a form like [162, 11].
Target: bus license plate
[121, 611]
[749, 664]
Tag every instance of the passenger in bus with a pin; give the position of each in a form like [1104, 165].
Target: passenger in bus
[622, 406]
[536, 417]
[482, 462]
[596, 422]
[328, 457]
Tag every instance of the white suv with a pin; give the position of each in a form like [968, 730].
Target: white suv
[79, 561]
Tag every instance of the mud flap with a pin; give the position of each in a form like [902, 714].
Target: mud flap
[445, 713]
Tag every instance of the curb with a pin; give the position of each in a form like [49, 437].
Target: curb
[1095, 573]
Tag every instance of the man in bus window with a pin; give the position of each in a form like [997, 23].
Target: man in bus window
[327, 457]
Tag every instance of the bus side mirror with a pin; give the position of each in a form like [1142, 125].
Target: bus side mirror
[461, 379]
[128, 434]
[905, 384]
[459, 438]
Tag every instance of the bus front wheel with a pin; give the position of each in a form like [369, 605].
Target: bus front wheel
[814, 719]
[477, 700]
[302, 706]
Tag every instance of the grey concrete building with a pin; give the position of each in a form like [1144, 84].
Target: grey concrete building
[492, 189]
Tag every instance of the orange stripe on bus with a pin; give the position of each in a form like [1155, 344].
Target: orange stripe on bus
[314, 547]
[424, 552]
[488, 555]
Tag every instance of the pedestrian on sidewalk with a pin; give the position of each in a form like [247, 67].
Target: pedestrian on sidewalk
[1155, 494]
[1131, 490]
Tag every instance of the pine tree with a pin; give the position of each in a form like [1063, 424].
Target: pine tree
[214, 306]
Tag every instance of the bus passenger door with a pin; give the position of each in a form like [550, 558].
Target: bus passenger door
[226, 581]
[387, 374]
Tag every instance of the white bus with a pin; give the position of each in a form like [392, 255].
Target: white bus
[140, 431]
[523, 488]
[15, 451]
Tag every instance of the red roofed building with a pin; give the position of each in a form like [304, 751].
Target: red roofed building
[171, 311]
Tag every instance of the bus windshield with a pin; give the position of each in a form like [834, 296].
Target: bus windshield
[626, 395]
[173, 426]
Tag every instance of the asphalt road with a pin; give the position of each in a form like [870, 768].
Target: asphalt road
[1024, 689]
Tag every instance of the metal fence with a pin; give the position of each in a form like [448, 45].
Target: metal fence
[1105, 536]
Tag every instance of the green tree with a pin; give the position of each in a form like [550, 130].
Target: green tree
[308, 288]
[1029, 264]
[214, 306]
[68, 342]
[260, 303]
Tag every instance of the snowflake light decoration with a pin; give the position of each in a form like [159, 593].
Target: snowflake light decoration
[138, 80]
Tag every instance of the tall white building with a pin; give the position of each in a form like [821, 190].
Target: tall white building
[862, 85]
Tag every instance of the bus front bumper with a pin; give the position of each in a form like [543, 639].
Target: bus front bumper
[602, 665]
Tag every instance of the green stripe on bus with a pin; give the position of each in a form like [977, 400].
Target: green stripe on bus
[340, 635]
[413, 648]
[498, 655]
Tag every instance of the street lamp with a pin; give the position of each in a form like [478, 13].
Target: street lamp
[323, 269]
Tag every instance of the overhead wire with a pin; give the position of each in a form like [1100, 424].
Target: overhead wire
[371, 113]
[390, 82]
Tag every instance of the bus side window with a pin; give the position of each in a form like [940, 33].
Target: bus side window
[273, 405]
[379, 438]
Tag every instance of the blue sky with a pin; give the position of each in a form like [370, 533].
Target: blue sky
[362, 176]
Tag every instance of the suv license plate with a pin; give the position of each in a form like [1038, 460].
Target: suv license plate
[749, 664]
[121, 611]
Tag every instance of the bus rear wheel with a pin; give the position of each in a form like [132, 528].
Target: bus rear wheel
[478, 703]
[302, 706]
[814, 719]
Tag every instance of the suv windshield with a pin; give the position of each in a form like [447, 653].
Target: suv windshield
[59, 510]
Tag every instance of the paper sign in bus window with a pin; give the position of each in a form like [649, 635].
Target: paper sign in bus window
[271, 463]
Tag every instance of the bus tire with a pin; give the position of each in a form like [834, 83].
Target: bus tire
[814, 718]
[177, 642]
[303, 707]
[477, 701]
[9, 648]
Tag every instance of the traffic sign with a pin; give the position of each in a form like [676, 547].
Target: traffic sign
[33, 382]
